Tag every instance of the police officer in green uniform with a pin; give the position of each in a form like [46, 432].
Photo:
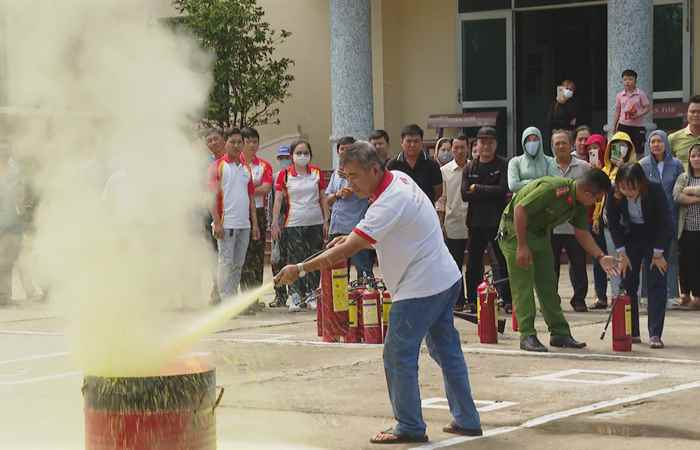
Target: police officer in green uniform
[526, 227]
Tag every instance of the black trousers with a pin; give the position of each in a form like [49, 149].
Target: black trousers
[479, 240]
[457, 248]
[577, 264]
[278, 260]
[638, 247]
[600, 278]
[689, 261]
[302, 242]
[638, 136]
[252, 274]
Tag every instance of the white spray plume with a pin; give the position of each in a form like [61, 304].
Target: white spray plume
[103, 93]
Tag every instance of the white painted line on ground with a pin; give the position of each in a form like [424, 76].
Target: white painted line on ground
[37, 379]
[470, 350]
[481, 405]
[582, 355]
[564, 414]
[490, 405]
[564, 376]
[34, 357]
[31, 333]
[460, 439]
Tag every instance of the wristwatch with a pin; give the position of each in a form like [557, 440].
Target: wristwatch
[300, 268]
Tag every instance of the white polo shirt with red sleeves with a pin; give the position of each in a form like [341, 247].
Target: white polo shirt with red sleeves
[303, 195]
[261, 171]
[234, 186]
[403, 227]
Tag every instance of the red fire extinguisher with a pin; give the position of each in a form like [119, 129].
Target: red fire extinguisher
[386, 310]
[371, 317]
[319, 313]
[622, 323]
[334, 302]
[486, 313]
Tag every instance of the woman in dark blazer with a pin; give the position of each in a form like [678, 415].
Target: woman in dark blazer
[642, 228]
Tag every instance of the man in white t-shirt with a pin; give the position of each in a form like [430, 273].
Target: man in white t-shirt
[233, 213]
[402, 226]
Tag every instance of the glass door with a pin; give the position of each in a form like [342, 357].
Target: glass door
[486, 68]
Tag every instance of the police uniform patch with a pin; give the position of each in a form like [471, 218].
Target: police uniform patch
[562, 191]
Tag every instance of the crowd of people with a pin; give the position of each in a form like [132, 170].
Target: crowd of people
[649, 220]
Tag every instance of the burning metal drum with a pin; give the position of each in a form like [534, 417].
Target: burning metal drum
[172, 411]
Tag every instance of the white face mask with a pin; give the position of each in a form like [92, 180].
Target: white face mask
[568, 93]
[445, 156]
[302, 160]
[532, 147]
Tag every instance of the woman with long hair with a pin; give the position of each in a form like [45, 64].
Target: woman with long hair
[306, 223]
[640, 223]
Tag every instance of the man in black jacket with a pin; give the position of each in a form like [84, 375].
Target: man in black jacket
[485, 188]
[641, 227]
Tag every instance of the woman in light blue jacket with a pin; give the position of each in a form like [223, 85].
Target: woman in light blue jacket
[532, 164]
[661, 167]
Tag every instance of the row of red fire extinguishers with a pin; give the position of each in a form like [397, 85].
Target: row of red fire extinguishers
[358, 311]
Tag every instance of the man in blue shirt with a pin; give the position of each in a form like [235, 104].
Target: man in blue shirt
[347, 209]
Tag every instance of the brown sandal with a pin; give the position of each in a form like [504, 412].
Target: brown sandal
[453, 428]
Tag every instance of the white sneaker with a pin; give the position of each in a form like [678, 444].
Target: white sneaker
[294, 300]
[673, 303]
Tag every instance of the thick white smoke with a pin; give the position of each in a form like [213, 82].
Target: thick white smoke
[97, 92]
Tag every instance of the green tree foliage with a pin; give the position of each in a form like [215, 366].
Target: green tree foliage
[249, 81]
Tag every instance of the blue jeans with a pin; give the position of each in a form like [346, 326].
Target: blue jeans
[409, 322]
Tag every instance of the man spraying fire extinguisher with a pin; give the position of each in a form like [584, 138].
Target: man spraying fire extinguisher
[402, 226]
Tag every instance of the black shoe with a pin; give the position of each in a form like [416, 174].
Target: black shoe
[599, 305]
[532, 344]
[459, 308]
[508, 308]
[471, 308]
[565, 342]
[278, 303]
[578, 307]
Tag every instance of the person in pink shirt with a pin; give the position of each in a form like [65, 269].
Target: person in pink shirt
[631, 105]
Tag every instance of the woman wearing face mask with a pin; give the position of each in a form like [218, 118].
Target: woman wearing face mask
[306, 223]
[532, 164]
[619, 151]
[562, 114]
[686, 193]
[443, 151]
[661, 167]
[646, 234]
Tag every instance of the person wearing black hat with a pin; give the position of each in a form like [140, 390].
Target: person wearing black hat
[485, 188]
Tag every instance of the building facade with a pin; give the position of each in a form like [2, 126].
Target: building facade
[496, 60]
